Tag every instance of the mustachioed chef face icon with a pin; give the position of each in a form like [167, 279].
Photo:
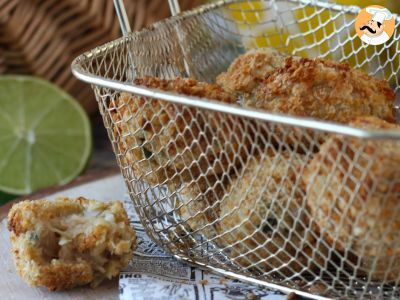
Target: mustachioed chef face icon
[374, 29]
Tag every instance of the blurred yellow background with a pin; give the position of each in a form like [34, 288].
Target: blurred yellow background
[392, 5]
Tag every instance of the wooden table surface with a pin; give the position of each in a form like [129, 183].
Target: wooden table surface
[103, 186]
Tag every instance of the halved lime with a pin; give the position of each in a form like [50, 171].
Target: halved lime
[45, 136]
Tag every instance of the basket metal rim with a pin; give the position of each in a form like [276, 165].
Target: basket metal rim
[248, 279]
[81, 74]
[240, 111]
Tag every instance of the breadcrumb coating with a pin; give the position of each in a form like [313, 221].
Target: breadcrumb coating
[325, 90]
[353, 192]
[67, 242]
[165, 142]
[263, 211]
[250, 68]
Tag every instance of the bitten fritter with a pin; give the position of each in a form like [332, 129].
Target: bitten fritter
[65, 243]
[325, 90]
[247, 70]
[263, 225]
[353, 192]
[165, 142]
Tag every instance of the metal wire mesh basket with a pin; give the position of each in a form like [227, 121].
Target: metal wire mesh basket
[239, 191]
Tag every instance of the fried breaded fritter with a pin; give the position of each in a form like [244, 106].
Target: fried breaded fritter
[65, 243]
[325, 90]
[199, 202]
[248, 69]
[263, 224]
[165, 142]
[353, 192]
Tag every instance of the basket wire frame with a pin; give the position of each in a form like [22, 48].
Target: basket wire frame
[231, 189]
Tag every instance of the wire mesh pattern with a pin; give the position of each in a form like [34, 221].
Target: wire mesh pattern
[304, 205]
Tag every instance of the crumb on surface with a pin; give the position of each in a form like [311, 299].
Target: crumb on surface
[291, 296]
[251, 296]
[203, 281]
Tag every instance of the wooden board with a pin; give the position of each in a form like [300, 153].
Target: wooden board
[106, 186]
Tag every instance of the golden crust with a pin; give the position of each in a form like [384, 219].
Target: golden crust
[65, 243]
[262, 212]
[372, 123]
[353, 194]
[247, 70]
[164, 141]
[187, 86]
[325, 90]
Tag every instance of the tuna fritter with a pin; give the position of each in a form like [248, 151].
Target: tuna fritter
[164, 142]
[353, 192]
[325, 90]
[65, 243]
[263, 224]
[247, 70]
[315, 88]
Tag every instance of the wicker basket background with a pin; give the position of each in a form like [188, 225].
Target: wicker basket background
[41, 37]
